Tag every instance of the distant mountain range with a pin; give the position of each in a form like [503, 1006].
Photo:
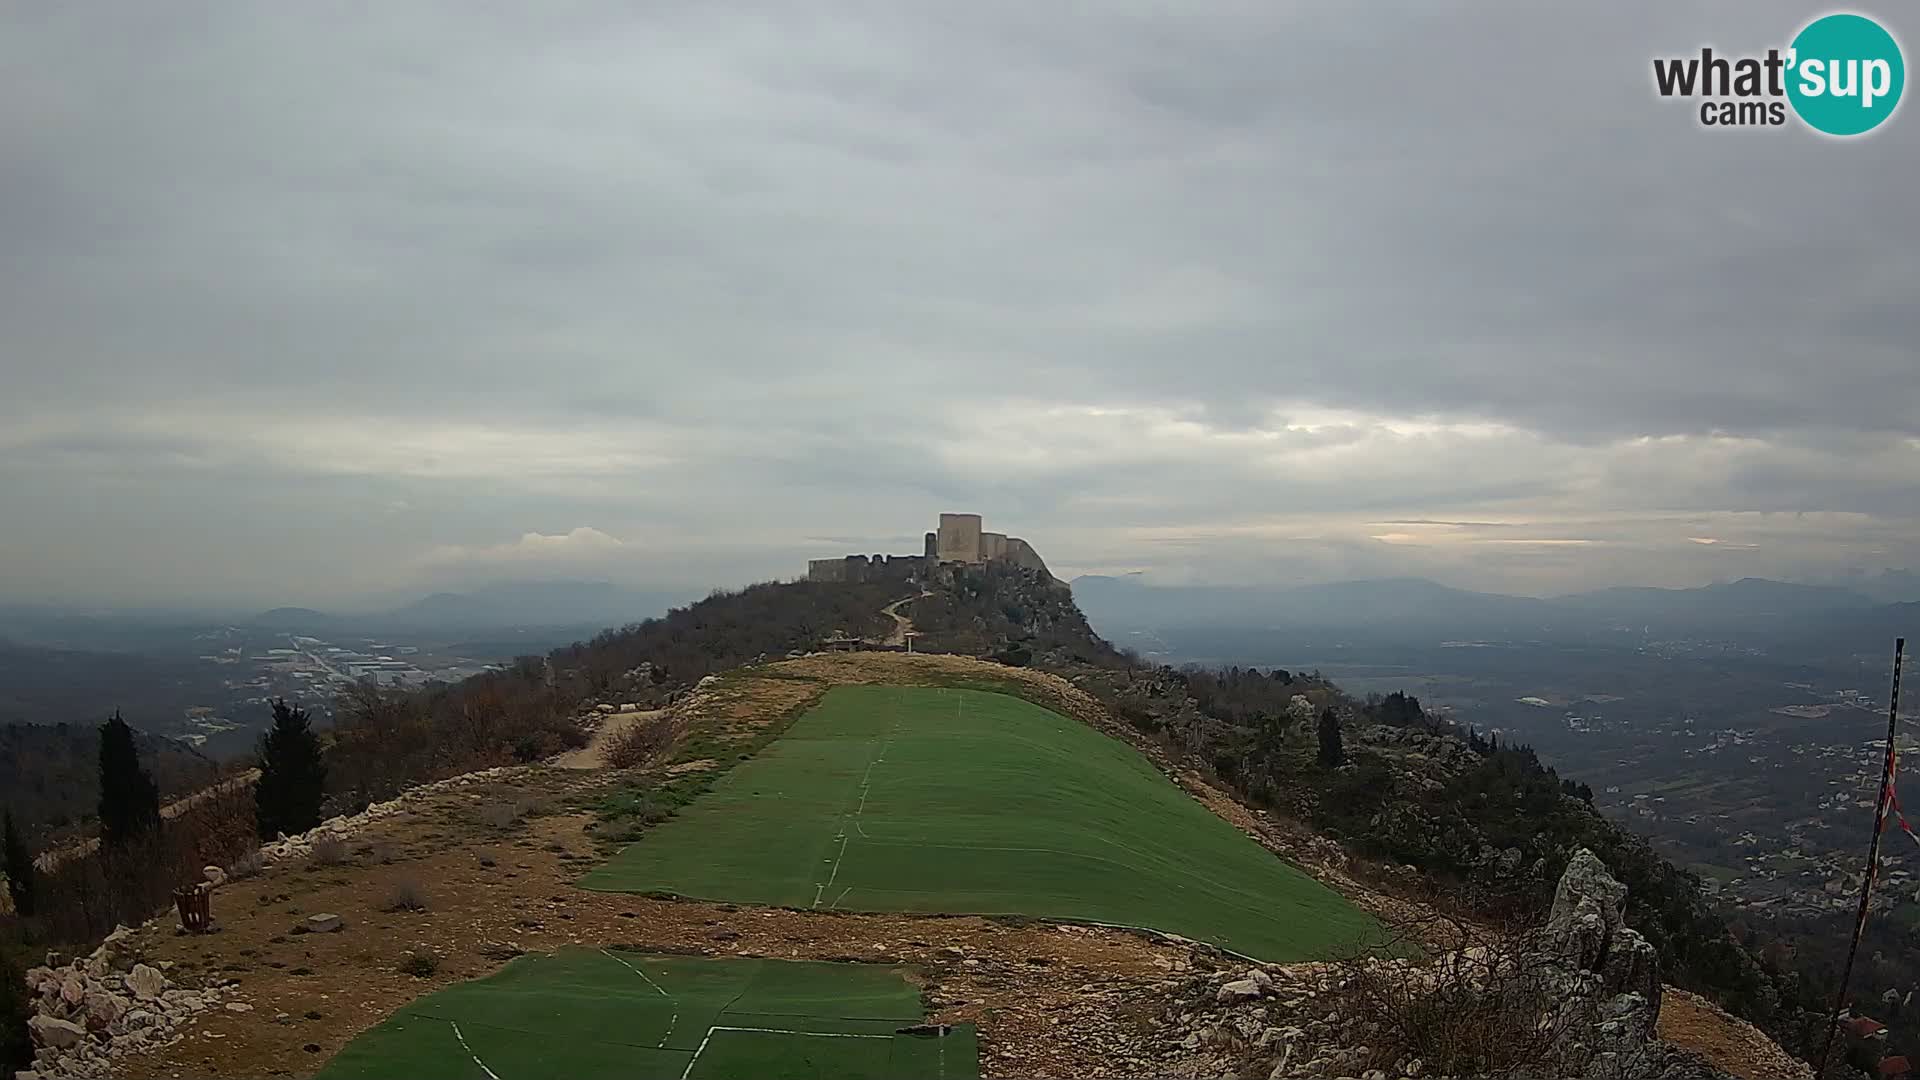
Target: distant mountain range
[493, 607]
[1754, 610]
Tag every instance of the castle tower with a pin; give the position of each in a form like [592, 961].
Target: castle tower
[959, 539]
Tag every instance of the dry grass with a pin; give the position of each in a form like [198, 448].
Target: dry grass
[249, 864]
[644, 742]
[406, 895]
[329, 851]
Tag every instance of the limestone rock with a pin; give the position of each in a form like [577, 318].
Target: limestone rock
[324, 923]
[103, 1009]
[58, 1034]
[145, 982]
[1238, 990]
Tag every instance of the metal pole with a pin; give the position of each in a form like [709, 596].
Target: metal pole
[1873, 855]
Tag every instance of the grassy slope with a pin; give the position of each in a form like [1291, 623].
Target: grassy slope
[588, 1014]
[920, 799]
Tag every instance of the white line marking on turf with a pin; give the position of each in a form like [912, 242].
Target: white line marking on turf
[671, 1021]
[837, 899]
[636, 971]
[866, 782]
[476, 1057]
[836, 867]
[688, 1071]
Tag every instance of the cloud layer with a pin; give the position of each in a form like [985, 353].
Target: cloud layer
[294, 309]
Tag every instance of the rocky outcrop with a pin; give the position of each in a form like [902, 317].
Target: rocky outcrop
[108, 1004]
[1583, 994]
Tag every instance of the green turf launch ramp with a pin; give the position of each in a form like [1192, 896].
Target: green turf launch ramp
[889, 798]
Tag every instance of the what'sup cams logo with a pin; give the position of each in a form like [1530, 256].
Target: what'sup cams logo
[1842, 75]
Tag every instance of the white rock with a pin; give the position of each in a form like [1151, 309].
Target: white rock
[58, 1034]
[1237, 990]
[104, 1008]
[324, 923]
[239, 1007]
[145, 982]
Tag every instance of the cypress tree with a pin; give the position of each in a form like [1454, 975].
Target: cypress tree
[19, 867]
[293, 776]
[1333, 752]
[129, 799]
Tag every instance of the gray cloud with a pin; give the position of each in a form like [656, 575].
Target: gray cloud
[294, 309]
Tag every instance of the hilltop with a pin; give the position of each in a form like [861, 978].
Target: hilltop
[1420, 816]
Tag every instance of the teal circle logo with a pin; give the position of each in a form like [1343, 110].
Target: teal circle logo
[1846, 74]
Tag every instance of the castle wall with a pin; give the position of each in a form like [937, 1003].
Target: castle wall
[827, 569]
[993, 546]
[959, 538]
[861, 568]
[1021, 553]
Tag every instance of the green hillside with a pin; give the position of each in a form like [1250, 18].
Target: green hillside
[958, 801]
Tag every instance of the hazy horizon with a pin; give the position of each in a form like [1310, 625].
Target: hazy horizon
[339, 312]
[1890, 586]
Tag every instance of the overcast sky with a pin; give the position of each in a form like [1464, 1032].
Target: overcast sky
[333, 304]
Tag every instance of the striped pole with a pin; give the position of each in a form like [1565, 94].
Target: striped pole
[1873, 855]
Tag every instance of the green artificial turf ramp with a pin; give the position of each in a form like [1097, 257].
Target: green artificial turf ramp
[590, 1014]
[889, 798]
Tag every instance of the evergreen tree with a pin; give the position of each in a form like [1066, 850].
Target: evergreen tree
[1332, 752]
[19, 867]
[129, 799]
[293, 776]
[16, 1041]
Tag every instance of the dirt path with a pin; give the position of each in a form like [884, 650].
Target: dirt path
[902, 626]
[594, 754]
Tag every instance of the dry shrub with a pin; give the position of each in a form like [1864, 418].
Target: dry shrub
[406, 895]
[248, 864]
[386, 740]
[329, 851]
[84, 897]
[498, 815]
[645, 742]
[1487, 1009]
[419, 963]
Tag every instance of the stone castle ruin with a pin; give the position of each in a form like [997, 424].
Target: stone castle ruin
[958, 540]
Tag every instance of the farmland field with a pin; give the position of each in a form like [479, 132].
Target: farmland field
[592, 1014]
[890, 798]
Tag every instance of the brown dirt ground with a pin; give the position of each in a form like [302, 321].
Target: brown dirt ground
[1731, 1045]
